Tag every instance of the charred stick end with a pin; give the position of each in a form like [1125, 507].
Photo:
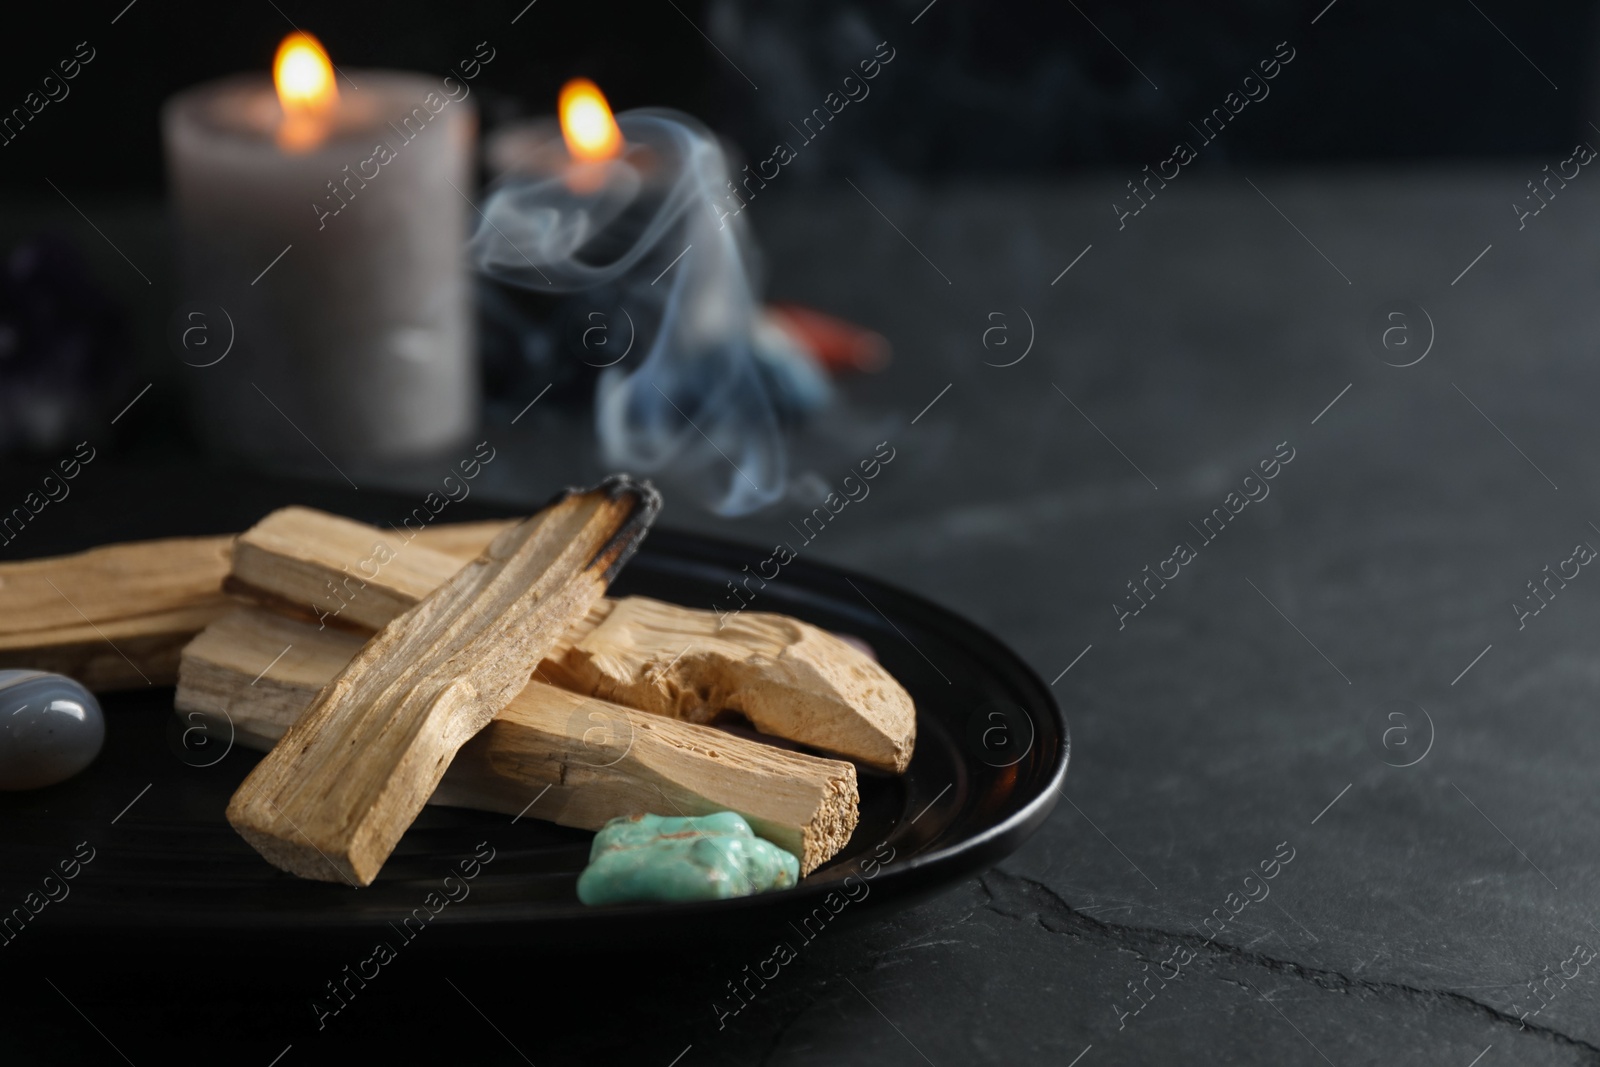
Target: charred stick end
[616, 552]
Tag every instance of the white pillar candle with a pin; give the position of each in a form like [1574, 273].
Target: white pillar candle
[334, 243]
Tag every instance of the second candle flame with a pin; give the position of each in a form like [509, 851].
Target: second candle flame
[587, 125]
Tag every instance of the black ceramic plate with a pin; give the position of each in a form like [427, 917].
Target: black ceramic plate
[991, 752]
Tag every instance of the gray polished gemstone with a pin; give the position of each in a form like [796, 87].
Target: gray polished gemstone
[50, 729]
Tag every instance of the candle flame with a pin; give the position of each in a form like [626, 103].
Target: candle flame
[591, 133]
[303, 76]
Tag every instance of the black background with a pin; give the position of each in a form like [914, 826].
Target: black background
[981, 89]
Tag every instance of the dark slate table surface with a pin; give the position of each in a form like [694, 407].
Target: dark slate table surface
[1340, 676]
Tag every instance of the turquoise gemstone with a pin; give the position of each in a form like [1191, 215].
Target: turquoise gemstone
[657, 857]
[50, 729]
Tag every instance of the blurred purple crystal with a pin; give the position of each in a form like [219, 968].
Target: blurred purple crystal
[62, 345]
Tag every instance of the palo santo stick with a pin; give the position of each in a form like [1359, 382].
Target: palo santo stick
[344, 572]
[332, 798]
[789, 678]
[583, 760]
[116, 617]
[113, 617]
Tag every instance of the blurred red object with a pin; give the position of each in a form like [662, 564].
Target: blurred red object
[838, 345]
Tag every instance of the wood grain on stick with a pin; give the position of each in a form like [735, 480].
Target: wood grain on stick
[116, 617]
[789, 678]
[549, 754]
[332, 798]
[113, 617]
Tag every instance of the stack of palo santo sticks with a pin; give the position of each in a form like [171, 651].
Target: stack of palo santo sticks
[477, 665]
